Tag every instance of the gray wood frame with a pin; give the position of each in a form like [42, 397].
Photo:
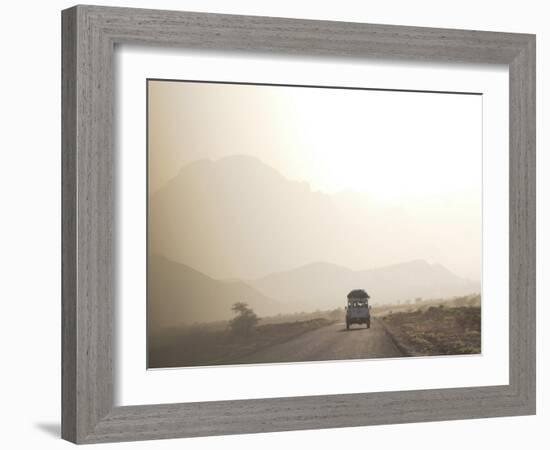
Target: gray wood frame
[89, 36]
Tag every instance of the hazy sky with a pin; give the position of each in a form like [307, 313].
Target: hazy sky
[389, 144]
[402, 149]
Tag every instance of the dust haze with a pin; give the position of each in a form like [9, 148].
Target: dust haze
[286, 198]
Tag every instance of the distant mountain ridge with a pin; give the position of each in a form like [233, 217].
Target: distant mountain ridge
[177, 294]
[238, 218]
[325, 286]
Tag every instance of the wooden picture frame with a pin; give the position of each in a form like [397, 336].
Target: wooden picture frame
[89, 37]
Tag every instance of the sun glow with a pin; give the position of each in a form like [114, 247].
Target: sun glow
[390, 145]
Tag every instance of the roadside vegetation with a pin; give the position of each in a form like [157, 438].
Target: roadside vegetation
[418, 327]
[225, 342]
[435, 327]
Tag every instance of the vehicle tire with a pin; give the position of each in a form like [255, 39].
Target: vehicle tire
[347, 325]
[368, 323]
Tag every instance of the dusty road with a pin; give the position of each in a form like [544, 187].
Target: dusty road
[332, 342]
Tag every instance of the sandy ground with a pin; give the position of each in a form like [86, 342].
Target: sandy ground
[332, 342]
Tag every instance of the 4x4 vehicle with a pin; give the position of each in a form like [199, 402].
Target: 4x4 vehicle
[358, 309]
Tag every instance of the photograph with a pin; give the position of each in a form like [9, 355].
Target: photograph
[300, 223]
[275, 225]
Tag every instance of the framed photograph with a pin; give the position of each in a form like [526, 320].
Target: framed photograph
[277, 224]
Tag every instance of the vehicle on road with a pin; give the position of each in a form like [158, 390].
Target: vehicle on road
[358, 309]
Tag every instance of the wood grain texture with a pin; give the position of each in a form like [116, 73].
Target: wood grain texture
[68, 226]
[89, 36]
[522, 224]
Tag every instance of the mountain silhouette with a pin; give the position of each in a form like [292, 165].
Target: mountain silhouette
[177, 294]
[325, 286]
[238, 218]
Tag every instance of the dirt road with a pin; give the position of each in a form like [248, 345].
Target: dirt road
[332, 342]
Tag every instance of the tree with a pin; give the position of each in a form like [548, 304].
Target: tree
[245, 319]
